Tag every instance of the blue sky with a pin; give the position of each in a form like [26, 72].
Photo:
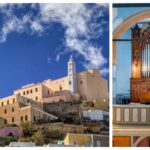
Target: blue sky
[124, 49]
[36, 41]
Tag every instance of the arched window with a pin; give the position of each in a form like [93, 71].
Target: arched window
[81, 82]
[60, 88]
[26, 118]
[12, 109]
[21, 118]
[69, 82]
[36, 89]
[61, 100]
[5, 121]
[8, 102]
[13, 119]
[5, 111]
[34, 118]
[10, 134]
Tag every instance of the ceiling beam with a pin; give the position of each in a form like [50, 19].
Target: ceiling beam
[131, 5]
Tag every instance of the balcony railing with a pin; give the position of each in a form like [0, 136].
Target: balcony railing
[131, 114]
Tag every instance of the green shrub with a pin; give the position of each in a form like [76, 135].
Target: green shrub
[38, 138]
[27, 128]
[23, 139]
[6, 140]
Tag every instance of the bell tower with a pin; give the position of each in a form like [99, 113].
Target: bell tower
[72, 80]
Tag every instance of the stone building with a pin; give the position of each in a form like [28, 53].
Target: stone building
[26, 103]
[16, 109]
[86, 140]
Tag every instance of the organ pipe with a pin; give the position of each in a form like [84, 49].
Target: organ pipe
[149, 60]
[142, 63]
[146, 61]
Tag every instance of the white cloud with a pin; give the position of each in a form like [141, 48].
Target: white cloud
[58, 57]
[105, 5]
[76, 18]
[36, 26]
[104, 71]
[93, 55]
[13, 24]
[79, 21]
[49, 60]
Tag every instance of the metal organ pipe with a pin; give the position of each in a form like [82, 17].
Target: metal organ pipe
[146, 59]
[145, 62]
[142, 63]
[149, 59]
[145, 52]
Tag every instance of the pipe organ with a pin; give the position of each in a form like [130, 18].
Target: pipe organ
[146, 61]
[140, 63]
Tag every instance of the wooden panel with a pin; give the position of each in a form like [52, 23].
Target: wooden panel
[121, 141]
[145, 97]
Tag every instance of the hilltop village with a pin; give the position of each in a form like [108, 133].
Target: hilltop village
[70, 111]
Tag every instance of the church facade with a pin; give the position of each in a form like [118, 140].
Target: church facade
[26, 103]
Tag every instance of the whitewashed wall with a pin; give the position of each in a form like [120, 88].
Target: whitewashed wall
[95, 114]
